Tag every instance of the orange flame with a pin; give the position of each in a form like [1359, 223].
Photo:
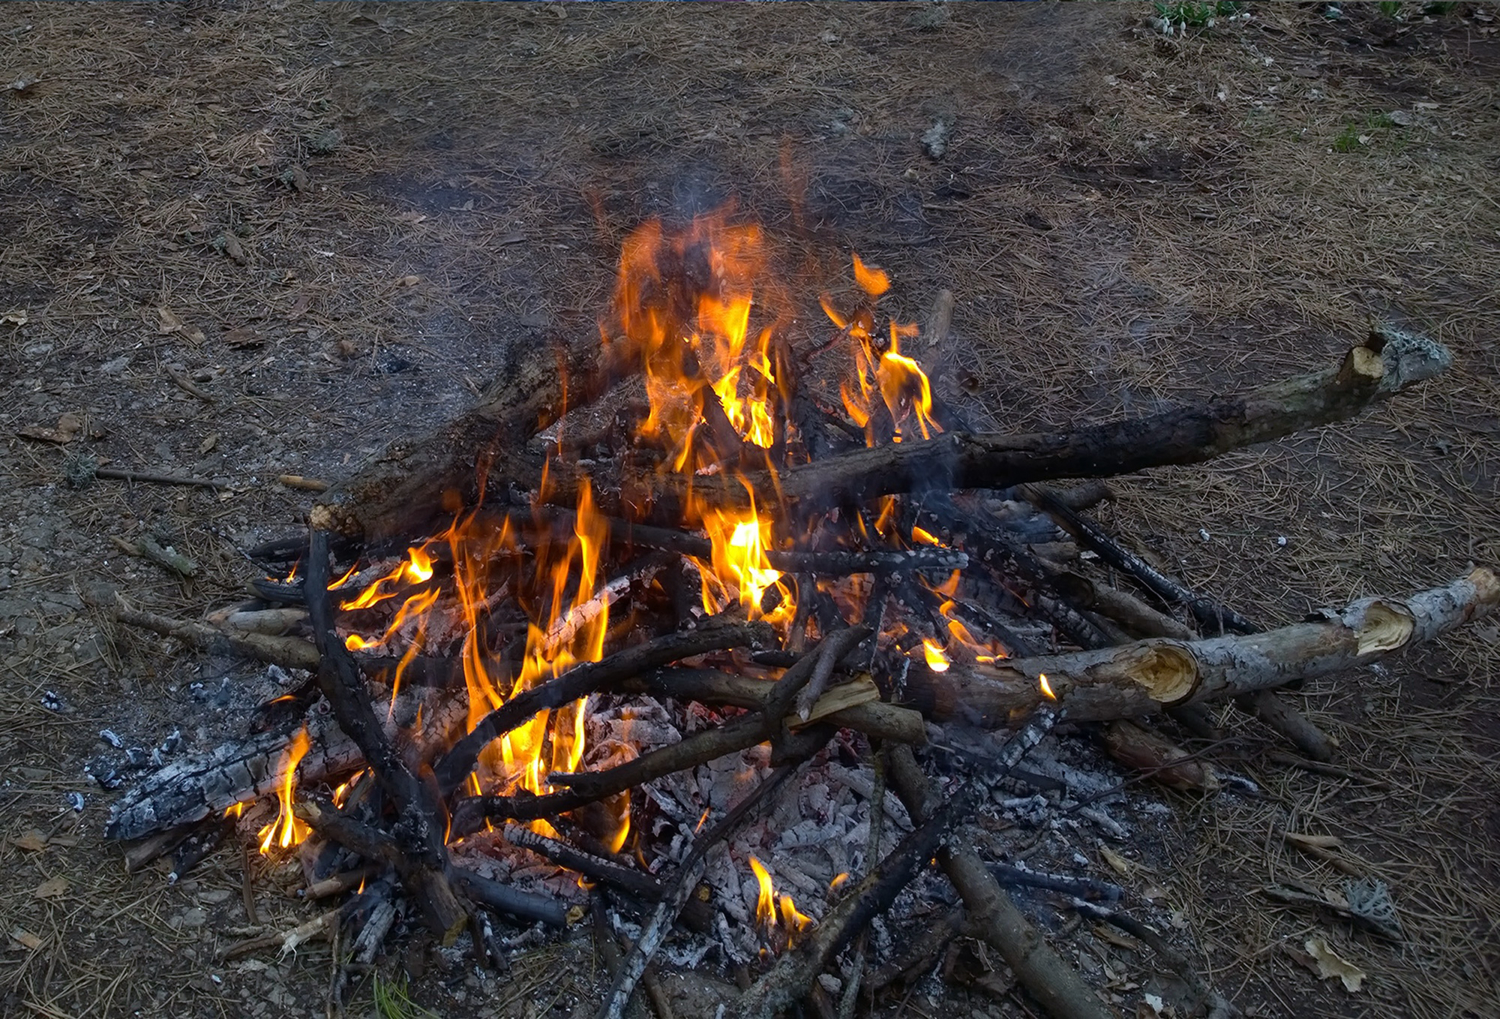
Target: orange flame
[900, 382]
[287, 830]
[937, 659]
[765, 903]
[1046, 686]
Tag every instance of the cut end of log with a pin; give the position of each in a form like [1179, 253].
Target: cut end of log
[1168, 671]
[1486, 587]
[1362, 368]
[1383, 626]
[1408, 357]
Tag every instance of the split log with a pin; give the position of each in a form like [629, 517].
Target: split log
[1390, 361]
[1150, 675]
[290, 652]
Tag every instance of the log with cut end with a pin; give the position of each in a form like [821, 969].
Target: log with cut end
[1389, 362]
[1150, 675]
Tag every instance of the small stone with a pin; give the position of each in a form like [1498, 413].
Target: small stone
[195, 916]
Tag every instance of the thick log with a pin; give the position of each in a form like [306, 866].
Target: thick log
[1389, 362]
[1150, 675]
[419, 482]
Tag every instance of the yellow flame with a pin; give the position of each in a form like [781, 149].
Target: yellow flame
[1046, 686]
[235, 810]
[838, 881]
[937, 658]
[765, 903]
[287, 830]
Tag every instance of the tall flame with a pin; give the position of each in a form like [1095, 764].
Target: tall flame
[287, 830]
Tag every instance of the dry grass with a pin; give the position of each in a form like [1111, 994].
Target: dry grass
[1124, 220]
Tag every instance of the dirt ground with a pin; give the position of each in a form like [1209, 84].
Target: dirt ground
[240, 241]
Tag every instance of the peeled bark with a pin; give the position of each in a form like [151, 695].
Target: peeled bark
[1150, 675]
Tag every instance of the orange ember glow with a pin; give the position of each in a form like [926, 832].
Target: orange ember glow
[287, 830]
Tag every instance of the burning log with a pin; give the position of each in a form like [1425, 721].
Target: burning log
[1389, 362]
[591, 678]
[423, 860]
[1147, 676]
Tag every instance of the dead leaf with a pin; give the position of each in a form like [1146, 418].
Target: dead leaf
[234, 249]
[208, 443]
[67, 429]
[408, 281]
[26, 939]
[170, 323]
[299, 306]
[32, 840]
[52, 888]
[299, 179]
[242, 337]
[14, 318]
[1117, 863]
[1331, 964]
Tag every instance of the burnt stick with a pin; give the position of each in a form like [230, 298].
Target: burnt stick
[1389, 362]
[679, 891]
[456, 764]
[634, 882]
[1213, 618]
[836, 563]
[790, 978]
[423, 862]
[549, 909]
[1052, 982]
[1211, 615]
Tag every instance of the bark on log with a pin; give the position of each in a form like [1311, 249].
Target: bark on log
[418, 482]
[1150, 675]
[1389, 362]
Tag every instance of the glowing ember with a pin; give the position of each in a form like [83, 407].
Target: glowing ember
[287, 830]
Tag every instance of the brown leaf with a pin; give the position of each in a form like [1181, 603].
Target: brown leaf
[1117, 863]
[67, 429]
[26, 939]
[52, 888]
[1331, 964]
[242, 337]
[16, 317]
[234, 249]
[299, 306]
[32, 840]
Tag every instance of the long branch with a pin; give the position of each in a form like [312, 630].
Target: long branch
[1389, 362]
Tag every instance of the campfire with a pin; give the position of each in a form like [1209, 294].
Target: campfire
[672, 608]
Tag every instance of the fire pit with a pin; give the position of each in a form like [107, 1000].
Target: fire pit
[665, 631]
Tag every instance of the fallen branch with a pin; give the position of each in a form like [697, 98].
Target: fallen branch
[593, 677]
